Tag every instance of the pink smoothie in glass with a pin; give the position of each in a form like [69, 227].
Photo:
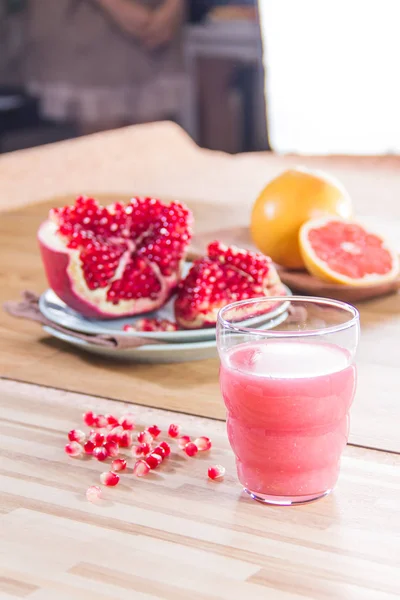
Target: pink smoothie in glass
[288, 403]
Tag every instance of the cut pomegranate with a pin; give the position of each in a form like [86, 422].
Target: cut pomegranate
[89, 418]
[203, 443]
[151, 325]
[166, 447]
[183, 441]
[154, 431]
[144, 437]
[73, 449]
[100, 453]
[112, 449]
[225, 275]
[216, 472]
[173, 430]
[89, 447]
[76, 435]
[122, 259]
[109, 478]
[191, 449]
[127, 422]
[119, 464]
[93, 493]
[153, 460]
[141, 468]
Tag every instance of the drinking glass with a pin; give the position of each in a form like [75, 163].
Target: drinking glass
[288, 384]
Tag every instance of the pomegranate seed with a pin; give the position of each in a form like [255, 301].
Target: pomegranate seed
[119, 464]
[115, 435]
[76, 435]
[141, 468]
[153, 460]
[144, 437]
[111, 420]
[183, 441]
[89, 447]
[154, 431]
[109, 478]
[97, 438]
[89, 418]
[173, 431]
[112, 449]
[93, 493]
[73, 449]
[141, 450]
[203, 443]
[166, 447]
[100, 422]
[100, 453]
[191, 449]
[216, 472]
[125, 440]
[160, 450]
[127, 422]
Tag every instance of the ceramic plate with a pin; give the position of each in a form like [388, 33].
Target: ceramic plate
[58, 312]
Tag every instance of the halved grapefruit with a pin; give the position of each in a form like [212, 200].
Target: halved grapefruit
[341, 251]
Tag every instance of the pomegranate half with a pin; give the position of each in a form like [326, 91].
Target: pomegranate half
[117, 260]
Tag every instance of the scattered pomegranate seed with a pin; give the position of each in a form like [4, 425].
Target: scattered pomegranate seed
[216, 472]
[154, 431]
[115, 435]
[144, 437]
[100, 453]
[125, 440]
[73, 449]
[112, 449]
[203, 443]
[183, 441]
[191, 449]
[153, 460]
[89, 418]
[119, 464]
[141, 468]
[93, 493]
[97, 438]
[111, 420]
[141, 450]
[127, 422]
[100, 422]
[160, 451]
[173, 430]
[89, 447]
[109, 478]
[166, 447]
[76, 435]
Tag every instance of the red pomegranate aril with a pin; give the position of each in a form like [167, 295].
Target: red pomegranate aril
[112, 449]
[119, 464]
[144, 437]
[141, 468]
[97, 438]
[76, 435]
[154, 431]
[100, 453]
[89, 418]
[109, 478]
[216, 472]
[111, 420]
[115, 434]
[166, 447]
[203, 443]
[73, 449]
[93, 493]
[153, 460]
[127, 422]
[191, 449]
[160, 451]
[125, 440]
[89, 447]
[100, 422]
[141, 450]
[173, 430]
[183, 441]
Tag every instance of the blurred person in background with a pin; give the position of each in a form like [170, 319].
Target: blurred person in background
[102, 64]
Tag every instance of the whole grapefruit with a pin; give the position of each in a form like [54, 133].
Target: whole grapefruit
[288, 201]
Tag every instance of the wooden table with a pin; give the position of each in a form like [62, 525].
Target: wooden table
[176, 534]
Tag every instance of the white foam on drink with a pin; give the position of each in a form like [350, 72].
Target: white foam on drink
[288, 360]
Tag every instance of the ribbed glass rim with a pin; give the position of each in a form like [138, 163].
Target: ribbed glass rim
[227, 324]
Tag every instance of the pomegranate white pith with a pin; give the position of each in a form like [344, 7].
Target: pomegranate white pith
[118, 260]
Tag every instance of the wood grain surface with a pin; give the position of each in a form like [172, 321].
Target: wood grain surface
[176, 535]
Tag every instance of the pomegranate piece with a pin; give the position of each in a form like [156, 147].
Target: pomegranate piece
[93, 493]
[125, 440]
[183, 441]
[225, 275]
[115, 434]
[191, 449]
[216, 472]
[100, 453]
[112, 449]
[154, 431]
[100, 422]
[127, 422]
[97, 438]
[141, 450]
[155, 325]
[89, 418]
[173, 430]
[119, 464]
[89, 447]
[76, 435]
[111, 420]
[109, 478]
[203, 443]
[160, 451]
[144, 437]
[153, 460]
[74, 449]
[141, 468]
[166, 447]
[116, 260]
